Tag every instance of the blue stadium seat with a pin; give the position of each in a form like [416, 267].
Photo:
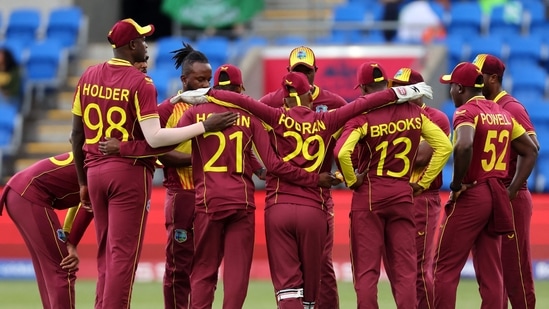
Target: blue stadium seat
[448, 108]
[216, 48]
[465, 19]
[23, 25]
[525, 50]
[542, 179]
[534, 14]
[337, 38]
[500, 25]
[492, 45]
[44, 61]
[447, 174]
[17, 49]
[64, 25]
[458, 50]
[528, 79]
[162, 80]
[347, 20]
[292, 39]
[8, 113]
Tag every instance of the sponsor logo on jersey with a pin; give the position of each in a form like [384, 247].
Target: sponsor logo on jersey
[61, 235]
[321, 108]
[180, 235]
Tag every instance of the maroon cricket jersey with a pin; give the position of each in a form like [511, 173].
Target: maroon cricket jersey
[222, 168]
[112, 98]
[52, 181]
[302, 136]
[388, 148]
[323, 100]
[495, 128]
[442, 121]
[517, 111]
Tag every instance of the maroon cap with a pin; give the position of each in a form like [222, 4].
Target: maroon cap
[489, 64]
[365, 73]
[295, 80]
[466, 74]
[235, 76]
[126, 30]
[407, 76]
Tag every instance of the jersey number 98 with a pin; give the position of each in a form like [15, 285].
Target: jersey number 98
[99, 125]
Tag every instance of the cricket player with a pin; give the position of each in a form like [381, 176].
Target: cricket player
[479, 211]
[427, 202]
[302, 59]
[31, 197]
[382, 212]
[516, 258]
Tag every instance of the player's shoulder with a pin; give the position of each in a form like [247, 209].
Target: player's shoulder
[273, 99]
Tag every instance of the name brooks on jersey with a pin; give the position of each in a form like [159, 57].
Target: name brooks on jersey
[395, 126]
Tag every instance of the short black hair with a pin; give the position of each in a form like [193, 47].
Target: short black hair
[186, 56]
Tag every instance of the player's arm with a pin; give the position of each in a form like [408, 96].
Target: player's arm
[257, 167]
[442, 149]
[277, 167]
[77, 140]
[267, 114]
[424, 154]
[175, 159]
[527, 154]
[463, 153]
[521, 116]
[69, 218]
[80, 223]
[343, 152]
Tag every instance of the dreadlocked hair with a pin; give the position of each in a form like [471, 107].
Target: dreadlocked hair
[186, 56]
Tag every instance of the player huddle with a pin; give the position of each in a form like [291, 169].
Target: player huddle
[389, 146]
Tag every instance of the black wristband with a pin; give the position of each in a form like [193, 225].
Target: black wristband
[454, 187]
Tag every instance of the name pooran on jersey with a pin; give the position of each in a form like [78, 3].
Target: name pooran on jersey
[302, 127]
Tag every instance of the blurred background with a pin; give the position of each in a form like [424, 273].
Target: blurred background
[46, 45]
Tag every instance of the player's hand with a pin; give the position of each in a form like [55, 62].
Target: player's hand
[412, 92]
[261, 173]
[417, 188]
[219, 121]
[193, 97]
[325, 180]
[85, 198]
[359, 180]
[464, 187]
[70, 262]
[512, 194]
[110, 146]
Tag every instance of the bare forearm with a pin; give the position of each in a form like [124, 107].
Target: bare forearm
[462, 160]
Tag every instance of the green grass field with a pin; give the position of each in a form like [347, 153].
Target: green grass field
[24, 295]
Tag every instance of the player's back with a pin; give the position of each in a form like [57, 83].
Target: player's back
[222, 170]
[112, 98]
[53, 179]
[390, 140]
[493, 135]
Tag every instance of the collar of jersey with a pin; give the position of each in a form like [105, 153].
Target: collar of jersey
[118, 61]
[500, 95]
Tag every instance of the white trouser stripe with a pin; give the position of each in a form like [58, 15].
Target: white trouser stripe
[289, 293]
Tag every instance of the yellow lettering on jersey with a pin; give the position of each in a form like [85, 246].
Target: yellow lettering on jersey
[302, 127]
[107, 93]
[64, 162]
[392, 127]
[243, 120]
[495, 119]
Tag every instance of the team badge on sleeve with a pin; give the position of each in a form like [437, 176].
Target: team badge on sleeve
[180, 235]
[321, 108]
[61, 235]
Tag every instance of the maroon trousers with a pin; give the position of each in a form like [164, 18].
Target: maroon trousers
[227, 235]
[426, 214]
[328, 297]
[390, 231]
[515, 256]
[179, 214]
[120, 197]
[296, 238]
[40, 228]
[464, 229]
